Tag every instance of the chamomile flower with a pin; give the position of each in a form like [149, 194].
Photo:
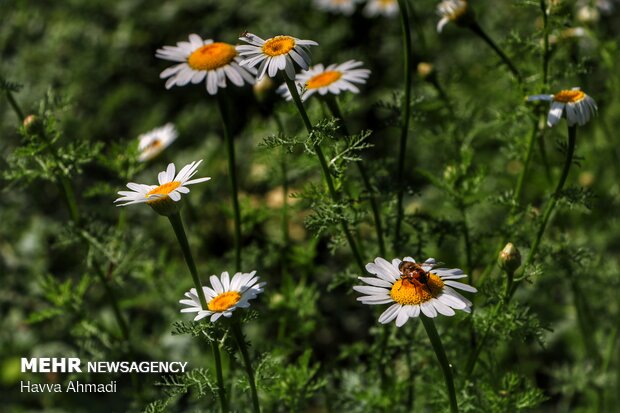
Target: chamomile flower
[204, 59]
[387, 8]
[452, 11]
[346, 7]
[578, 106]
[413, 289]
[275, 54]
[332, 79]
[224, 296]
[155, 141]
[162, 198]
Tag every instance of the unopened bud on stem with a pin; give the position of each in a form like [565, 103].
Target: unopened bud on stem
[509, 258]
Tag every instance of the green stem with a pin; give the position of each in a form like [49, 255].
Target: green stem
[284, 172]
[467, 242]
[570, 151]
[446, 367]
[118, 315]
[63, 182]
[18, 111]
[333, 106]
[69, 196]
[405, 116]
[572, 138]
[221, 390]
[230, 147]
[516, 196]
[475, 27]
[243, 348]
[179, 231]
[326, 174]
[546, 54]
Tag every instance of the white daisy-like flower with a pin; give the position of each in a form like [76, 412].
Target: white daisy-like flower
[162, 197]
[204, 59]
[275, 54]
[413, 289]
[332, 79]
[578, 106]
[224, 295]
[451, 11]
[155, 141]
[346, 7]
[387, 8]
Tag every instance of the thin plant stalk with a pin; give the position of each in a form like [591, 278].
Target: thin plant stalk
[15, 106]
[243, 348]
[405, 116]
[475, 27]
[516, 195]
[546, 54]
[570, 151]
[467, 243]
[179, 231]
[446, 367]
[221, 390]
[333, 106]
[232, 172]
[118, 315]
[327, 175]
[63, 183]
[284, 210]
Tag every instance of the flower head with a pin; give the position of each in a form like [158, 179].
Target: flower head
[387, 8]
[164, 197]
[578, 106]
[274, 54]
[413, 288]
[346, 7]
[155, 141]
[457, 11]
[224, 295]
[204, 59]
[331, 79]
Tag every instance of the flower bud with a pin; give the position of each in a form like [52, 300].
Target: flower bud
[32, 124]
[509, 258]
[425, 70]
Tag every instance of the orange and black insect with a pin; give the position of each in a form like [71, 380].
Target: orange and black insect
[414, 274]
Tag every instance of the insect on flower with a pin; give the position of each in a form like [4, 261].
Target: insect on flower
[413, 288]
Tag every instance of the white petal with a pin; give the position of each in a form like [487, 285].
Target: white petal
[461, 286]
[403, 316]
[377, 282]
[555, 113]
[442, 308]
[366, 289]
[389, 314]
[451, 301]
[428, 309]
[216, 284]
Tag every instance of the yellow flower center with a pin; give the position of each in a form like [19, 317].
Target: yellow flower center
[323, 79]
[569, 96]
[278, 45]
[211, 56]
[413, 292]
[386, 3]
[224, 301]
[153, 145]
[163, 190]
